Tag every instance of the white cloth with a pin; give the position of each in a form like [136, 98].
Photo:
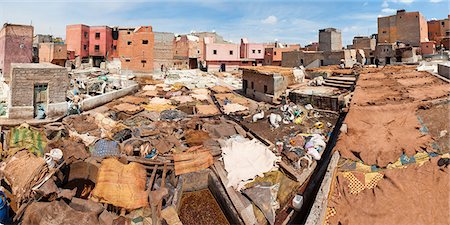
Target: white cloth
[245, 159]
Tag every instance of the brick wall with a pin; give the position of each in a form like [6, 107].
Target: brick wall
[25, 76]
[407, 27]
[163, 50]
[16, 46]
[330, 39]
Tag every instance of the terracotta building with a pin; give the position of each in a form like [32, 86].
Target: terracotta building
[273, 56]
[252, 51]
[16, 46]
[187, 51]
[407, 27]
[77, 39]
[134, 48]
[314, 46]
[95, 42]
[55, 53]
[439, 31]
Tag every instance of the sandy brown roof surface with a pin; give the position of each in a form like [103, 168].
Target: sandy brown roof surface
[382, 121]
[395, 122]
[268, 70]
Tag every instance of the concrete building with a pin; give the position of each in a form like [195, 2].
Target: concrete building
[330, 39]
[55, 53]
[407, 27]
[391, 53]
[311, 47]
[439, 31]
[187, 51]
[134, 48]
[221, 56]
[312, 59]
[163, 51]
[37, 39]
[16, 46]
[273, 56]
[366, 44]
[252, 51]
[35, 87]
[266, 83]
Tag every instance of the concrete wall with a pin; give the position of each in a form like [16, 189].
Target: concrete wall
[95, 101]
[330, 39]
[16, 46]
[55, 53]
[163, 50]
[25, 76]
[427, 48]
[222, 52]
[444, 70]
[437, 29]
[364, 43]
[275, 85]
[297, 58]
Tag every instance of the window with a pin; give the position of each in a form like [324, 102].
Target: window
[97, 35]
[215, 52]
[253, 85]
[384, 32]
[274, 53]
[143, 62]
[129, 43]
[128, 32]
[259, 51]
[115, 47]
[85, 34]
[265, 88]
[198, 51]
[97, 48]
[144, 42]
[442, 23]
[127, 60]
[85, 47]
[253, 51]
[231, 52]
[301, 61]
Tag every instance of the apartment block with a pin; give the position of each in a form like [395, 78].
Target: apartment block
[273, 56]
[187, 51]
[252, 51]
[77, 39]
[16, 46]
[439, 31]
[406, 27]
[221, 56]
[163, 51]
[134, 48]
[330, 39]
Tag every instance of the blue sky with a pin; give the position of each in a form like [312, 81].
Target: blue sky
[261, 21]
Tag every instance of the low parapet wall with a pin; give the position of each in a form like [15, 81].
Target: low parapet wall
[95, 101]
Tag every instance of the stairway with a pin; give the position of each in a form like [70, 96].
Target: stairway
[346, 82]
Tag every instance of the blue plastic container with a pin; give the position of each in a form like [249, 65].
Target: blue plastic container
[4, 209]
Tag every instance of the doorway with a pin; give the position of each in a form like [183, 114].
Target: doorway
[245, 86]
[40, 100]
[388, 60]
[193, 64]
[222, 67]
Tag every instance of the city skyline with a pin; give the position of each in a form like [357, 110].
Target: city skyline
[262, 21]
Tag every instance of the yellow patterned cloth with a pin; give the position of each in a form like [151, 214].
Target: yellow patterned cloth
[357, 185]
[330, 213]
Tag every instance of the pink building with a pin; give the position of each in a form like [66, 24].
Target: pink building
[252, 52]
[77, 39]
[100, 42]
[221, 56]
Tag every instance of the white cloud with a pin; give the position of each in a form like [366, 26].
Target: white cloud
[403, 1]
[435, 1]
[365, 3]
[388, 10]
[270, 20]
[385, 4]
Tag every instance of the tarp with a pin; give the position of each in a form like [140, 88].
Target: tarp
[245, 159]
[25, 137]
[121, 185]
